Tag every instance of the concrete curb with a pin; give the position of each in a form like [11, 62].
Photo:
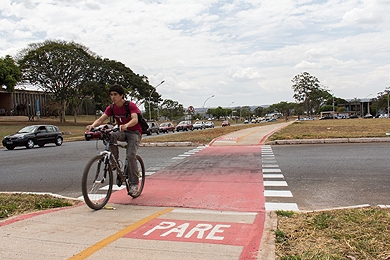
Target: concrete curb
[267, 248]
[330, 141]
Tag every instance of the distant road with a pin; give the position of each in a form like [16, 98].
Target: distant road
[335, 175]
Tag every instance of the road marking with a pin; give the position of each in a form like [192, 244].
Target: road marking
[178, 158]
[273, 176]
[225, 233]
[105, 242]
[272, 170]
[270, 166]
[157, 168]
[278, 193]
[281, 206]
[275, 183]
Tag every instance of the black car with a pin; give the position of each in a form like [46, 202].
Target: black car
[32, 135]
[153, 128]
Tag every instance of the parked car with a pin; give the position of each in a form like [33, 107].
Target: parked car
[225, 123]
[209, 124]
[32, 135]
[153, 128]
[184, 126]
[167, 127]
[96, 134]
[199, 125]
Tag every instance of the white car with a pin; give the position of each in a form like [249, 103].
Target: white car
[198, 125]
[209, 124]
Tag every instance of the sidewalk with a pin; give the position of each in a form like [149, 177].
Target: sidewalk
[170, 220]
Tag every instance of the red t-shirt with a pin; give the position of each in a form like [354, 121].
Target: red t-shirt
[120, 116]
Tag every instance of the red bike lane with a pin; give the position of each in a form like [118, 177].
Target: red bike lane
[218, 178]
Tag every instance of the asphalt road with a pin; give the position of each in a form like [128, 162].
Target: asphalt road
[336, 175]
[59, 169]
[318, 176]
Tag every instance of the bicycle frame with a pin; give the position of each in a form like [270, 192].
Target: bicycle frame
[97, 180]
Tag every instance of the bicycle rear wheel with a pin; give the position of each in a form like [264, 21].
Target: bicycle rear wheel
[141, 178]
[97, 182]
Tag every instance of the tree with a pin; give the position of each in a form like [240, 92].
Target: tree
[10, 73]
[71, 72]
[171, 109]
[283, 107]
[245, 111]
[107, 72]
[259, 111]
[308, 91]
[382, 102]
[57, 67]
[216, 112]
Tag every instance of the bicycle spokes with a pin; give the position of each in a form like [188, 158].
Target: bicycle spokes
[97, 182]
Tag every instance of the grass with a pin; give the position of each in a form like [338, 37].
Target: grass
[360, 233]
[13, 204]
[338, 128]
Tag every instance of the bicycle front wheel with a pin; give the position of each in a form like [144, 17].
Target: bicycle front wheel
[141, 178]
[97, 182]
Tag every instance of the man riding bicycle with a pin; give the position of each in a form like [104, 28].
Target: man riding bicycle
[130, 131]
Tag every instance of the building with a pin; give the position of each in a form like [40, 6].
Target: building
[23, 102]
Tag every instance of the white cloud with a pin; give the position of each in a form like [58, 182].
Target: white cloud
[245, 51]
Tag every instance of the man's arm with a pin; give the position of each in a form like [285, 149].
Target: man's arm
[97, 122]
[133, 121]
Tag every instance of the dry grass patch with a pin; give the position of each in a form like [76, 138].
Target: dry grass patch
[360, 233]
[338, 128]
[13, 204]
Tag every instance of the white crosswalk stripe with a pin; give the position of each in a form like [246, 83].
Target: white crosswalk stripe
[274, 183]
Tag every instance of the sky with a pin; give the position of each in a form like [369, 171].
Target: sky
[213, 53]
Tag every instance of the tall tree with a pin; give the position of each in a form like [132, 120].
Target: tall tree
[57, 67]
[137, 87]
[307, 90]
[10, 73]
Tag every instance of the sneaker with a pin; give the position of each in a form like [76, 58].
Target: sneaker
[133, 189]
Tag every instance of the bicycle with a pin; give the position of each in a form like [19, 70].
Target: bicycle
[98, 175]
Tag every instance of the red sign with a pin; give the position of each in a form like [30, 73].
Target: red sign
[191, 109]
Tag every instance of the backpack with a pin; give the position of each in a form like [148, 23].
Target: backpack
[141, 120]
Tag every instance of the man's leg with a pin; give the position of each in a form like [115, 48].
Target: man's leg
[133, 140]
[114, 138]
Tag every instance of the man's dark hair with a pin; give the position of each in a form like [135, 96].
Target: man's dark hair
[117, 88]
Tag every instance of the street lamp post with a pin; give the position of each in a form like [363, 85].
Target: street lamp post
[205, 104]
[229, 106]
[150, 96]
